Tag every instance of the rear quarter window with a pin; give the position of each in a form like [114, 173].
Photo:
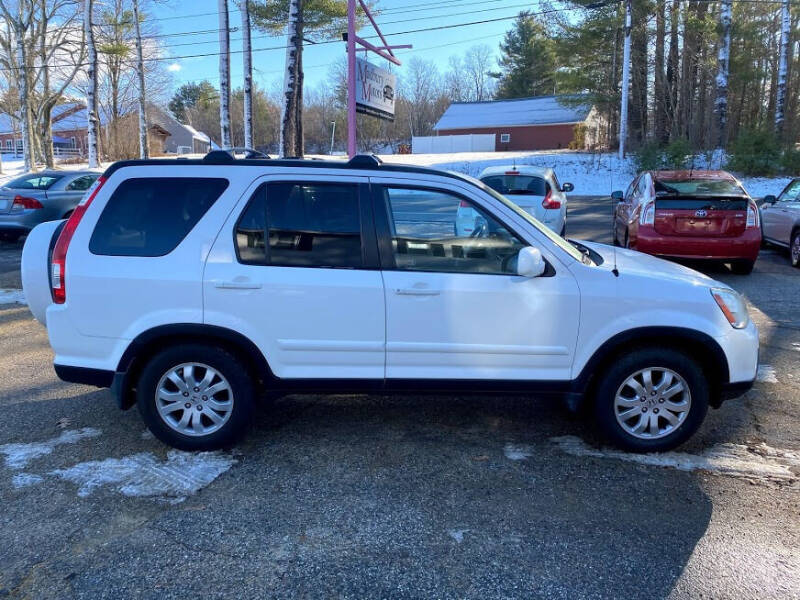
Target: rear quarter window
[150, 216]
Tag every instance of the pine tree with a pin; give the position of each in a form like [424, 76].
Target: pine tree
[528, 60]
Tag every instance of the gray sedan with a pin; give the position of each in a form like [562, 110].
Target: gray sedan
[780, 220]
[37, 197]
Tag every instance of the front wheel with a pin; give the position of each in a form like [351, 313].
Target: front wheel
[651, 400]
[794, 249]
[196, 397]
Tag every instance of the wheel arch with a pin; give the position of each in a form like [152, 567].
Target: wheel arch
[695, 344]
[153, 340]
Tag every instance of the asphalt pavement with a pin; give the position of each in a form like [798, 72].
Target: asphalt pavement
[402, 497]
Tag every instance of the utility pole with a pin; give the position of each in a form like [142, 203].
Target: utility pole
[224, 75]
[780, 104]
[626, 76]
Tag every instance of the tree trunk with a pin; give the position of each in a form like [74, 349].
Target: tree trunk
[723, 66]
[247, 53]
[144, 143]
[639, 68]
[780, 102]
[224, 75]
[672, 70]
[626, 69]
[25, 113]
[91, 95]
[659, 83]
[291, 142]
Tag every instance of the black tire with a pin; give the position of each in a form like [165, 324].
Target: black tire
[563, 233]
[241, 385]
[743, 267]
[794, 258]
[631, 363]
[9, 236]
[627, 243]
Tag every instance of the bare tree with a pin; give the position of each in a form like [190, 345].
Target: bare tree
[144, 144]
[780, 104]
[291, 142]
[93, 129]
[626, 76]
[247, 54]
[224, 75]
[478, 65]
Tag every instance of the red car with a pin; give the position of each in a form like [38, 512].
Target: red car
[689, 214]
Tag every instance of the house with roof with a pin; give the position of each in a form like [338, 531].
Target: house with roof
[538, 123]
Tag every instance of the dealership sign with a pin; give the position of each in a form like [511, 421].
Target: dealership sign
[375, 89]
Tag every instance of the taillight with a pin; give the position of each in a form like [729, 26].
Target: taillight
[648, 214]
[58, 263]
[25, 202]
[752, 215]
[548, 201]
[512, 172]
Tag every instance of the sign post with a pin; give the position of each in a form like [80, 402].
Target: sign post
[370, 90]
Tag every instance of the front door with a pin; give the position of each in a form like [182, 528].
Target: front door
[295, 270]
[455, 307]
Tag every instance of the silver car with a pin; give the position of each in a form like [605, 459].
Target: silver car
[780, 220]
[37, 197]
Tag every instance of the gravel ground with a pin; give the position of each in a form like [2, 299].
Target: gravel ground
[416, 497]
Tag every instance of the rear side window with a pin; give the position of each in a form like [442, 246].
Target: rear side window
[150, 216]
[33, 182]
[81, 184]
[305, 224]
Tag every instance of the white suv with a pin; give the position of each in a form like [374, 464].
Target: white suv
[194, 287]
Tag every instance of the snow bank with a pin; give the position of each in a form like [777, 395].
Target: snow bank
[592, 174]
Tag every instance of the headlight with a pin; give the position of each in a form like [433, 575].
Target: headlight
[732, 306]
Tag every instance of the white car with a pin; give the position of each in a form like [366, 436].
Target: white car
[535, 190]
[194, 287]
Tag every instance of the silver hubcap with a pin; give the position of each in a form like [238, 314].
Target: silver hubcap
[652, 403]
[194, 399]
[796, 249]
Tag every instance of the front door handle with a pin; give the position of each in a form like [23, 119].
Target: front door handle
[416, 292]
[237, 285]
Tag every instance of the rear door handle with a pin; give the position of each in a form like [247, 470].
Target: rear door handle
[416, 292]
[237, 285]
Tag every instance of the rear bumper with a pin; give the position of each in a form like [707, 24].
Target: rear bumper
[26, 220]
[745, 246]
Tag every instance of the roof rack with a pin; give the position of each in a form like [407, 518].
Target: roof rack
[365, 160]
[226, 157]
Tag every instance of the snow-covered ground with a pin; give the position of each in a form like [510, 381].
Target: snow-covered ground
[592, 174]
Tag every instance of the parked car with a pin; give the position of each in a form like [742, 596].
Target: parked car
[37, 197]
[192, 287]
[780, 220]
[534, 189]
[704, 215]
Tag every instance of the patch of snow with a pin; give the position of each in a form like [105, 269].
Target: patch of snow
[21, 480]
[146, 435]
[592, 173]
[766, 374]
[516, 452]
[12, 296]
[457, 534]
[19, 455]
[757, 461]
[141, 475]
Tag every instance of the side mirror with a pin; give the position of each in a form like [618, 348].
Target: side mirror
[768, 199]
[567, 187]
[618, 195]
[530, 262]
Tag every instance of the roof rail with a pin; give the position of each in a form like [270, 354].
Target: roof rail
[365, 160]
[227, 156]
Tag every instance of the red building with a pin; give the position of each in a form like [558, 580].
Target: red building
[540, 123]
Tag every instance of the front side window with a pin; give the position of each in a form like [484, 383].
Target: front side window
[438, 231]
[150, 216]
[791, 193]
[306, 225]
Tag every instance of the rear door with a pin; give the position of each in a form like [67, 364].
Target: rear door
[64, 196]
[295, 270]
[700, 217]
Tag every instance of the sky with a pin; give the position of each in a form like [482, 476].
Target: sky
[184, 16]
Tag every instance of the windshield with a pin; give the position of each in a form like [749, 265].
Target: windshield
[33, 182]
[699, 187]
[511, 184]
[556, 239]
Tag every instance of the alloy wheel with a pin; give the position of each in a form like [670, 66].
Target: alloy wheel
[652, 403]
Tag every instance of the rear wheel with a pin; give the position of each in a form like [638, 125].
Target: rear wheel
[196, 397]
[9, 236]
[651, 400]
[794, 249]
[743, 267]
